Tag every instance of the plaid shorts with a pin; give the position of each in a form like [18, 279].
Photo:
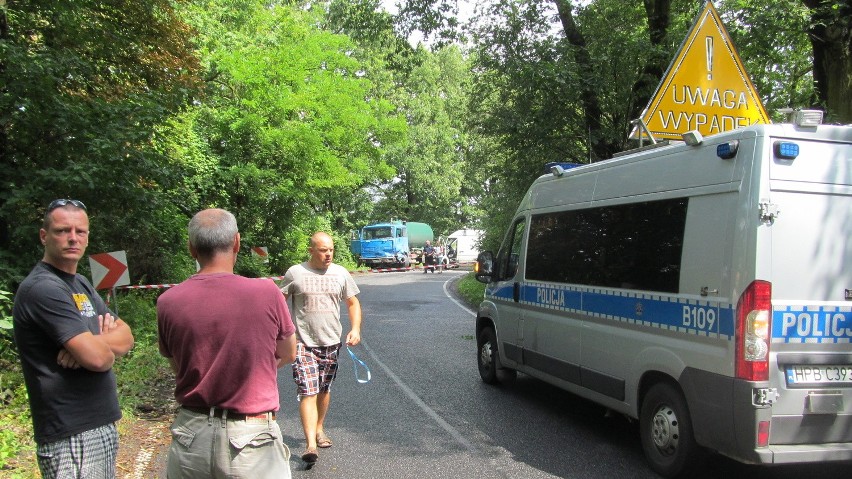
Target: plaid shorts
[314, 368]
[90, 454]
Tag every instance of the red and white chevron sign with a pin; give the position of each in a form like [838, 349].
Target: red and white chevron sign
[109, 269]
[262, 252]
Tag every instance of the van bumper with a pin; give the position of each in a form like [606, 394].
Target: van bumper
[806, 453]
[725, 420]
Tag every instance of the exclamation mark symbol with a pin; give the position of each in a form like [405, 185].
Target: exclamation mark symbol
[708, 43]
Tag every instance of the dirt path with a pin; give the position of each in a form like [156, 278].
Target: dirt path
[143, 445]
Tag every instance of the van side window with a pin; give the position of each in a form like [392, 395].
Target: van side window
[507, 259]
[634, 246]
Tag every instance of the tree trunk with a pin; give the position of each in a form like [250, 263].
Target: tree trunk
[591, 105]
[659, 18]
[830, 33]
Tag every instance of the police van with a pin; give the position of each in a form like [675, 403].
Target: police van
[701, 287]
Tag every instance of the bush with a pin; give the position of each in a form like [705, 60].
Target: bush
[144, 377]
[471, 290]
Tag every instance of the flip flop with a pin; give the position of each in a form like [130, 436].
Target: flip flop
[323, 440]
[310, 456]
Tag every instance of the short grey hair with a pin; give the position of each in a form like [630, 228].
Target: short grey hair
[212, 231]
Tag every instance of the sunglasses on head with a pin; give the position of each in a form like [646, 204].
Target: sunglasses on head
[62, 202]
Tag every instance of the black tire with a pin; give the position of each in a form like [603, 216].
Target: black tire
[665, 429]
[488, 359]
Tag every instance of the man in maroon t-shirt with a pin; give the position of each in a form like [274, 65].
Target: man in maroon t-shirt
[225, 336]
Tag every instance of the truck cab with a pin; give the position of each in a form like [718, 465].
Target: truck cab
[391, 244]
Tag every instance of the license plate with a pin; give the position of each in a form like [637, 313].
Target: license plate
[819, 374]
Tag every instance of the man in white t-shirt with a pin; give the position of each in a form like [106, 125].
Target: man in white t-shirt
[317, 287]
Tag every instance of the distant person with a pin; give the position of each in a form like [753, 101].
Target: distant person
[428, 257]
[442, 260]
[317, 287]
[67, 342]
[225, 336]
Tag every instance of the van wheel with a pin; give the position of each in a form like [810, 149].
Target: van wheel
[666, 432]
[488, 359]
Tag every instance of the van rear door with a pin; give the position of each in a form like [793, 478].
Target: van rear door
[811, 276]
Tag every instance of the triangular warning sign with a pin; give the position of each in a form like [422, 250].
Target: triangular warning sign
[706, 87]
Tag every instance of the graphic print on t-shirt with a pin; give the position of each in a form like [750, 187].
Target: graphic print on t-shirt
[319, 292]
[84, 305]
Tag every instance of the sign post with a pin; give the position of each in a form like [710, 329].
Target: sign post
[706, 87]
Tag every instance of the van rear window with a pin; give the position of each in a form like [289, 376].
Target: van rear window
[633, 246]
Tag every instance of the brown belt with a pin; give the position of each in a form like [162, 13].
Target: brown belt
[220, 413]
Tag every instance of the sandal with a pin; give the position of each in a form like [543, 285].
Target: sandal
[323, 440]
[310, 456]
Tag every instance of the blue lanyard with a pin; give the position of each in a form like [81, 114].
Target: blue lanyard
[355, 364]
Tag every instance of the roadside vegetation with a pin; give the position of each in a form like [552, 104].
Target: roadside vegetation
[471, 290]
[145, 383]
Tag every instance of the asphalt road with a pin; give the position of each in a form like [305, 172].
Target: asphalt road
[426, 414]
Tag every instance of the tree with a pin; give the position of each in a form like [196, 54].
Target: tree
[83, 85]
[429, 89]
[429, 165]
[288, 125]
[830, 34]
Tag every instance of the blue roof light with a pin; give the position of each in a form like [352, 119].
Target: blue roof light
[786, 150]
[728, 150]
[552, 167]
[564, 165]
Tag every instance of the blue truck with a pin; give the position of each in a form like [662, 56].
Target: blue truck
[392, 244]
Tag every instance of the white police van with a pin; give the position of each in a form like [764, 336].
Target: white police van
[701, 288]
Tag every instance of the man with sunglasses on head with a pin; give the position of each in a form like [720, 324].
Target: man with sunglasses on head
[68, 341]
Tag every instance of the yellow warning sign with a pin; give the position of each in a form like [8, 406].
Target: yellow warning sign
[706, 87]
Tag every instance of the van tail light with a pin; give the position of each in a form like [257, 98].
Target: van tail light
[752, 332]
[763, 434]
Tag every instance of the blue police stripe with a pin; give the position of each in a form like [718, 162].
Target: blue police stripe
[669, 312]
[812, 323]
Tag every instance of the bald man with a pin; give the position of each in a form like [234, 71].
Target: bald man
[317, 287]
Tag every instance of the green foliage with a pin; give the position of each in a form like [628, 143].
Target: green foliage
[5, 310]
[299, 116]
[8, 351]
[15, 426]
[471, 290]
[288, 130]
[142, 375]
[138, 309]
[771, 38]
[84, 83]
[430, 164]
[252, 266]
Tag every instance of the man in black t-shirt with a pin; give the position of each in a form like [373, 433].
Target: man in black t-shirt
[428, 257]
[67, 341]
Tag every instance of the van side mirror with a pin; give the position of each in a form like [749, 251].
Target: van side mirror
[484, 267]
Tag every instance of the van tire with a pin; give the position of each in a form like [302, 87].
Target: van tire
[488, 359]
[666, 433]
